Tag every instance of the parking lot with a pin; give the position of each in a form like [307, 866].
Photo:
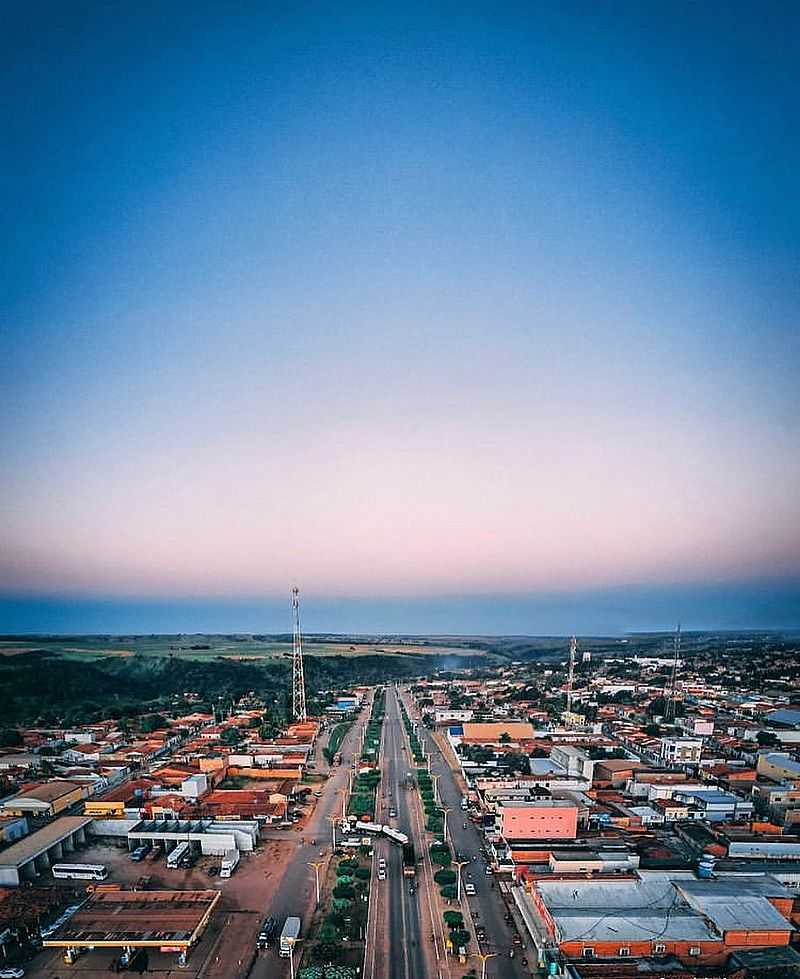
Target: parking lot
[246, 900]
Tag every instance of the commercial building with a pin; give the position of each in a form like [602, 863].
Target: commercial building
[167, 921]
[46, 799]
[502, 732]
[544, 819]
[34, 854]
[696, 921]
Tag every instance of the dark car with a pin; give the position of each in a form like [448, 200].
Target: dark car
[268, 932]
[213, 870]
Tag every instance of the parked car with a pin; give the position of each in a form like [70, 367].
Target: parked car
[213, 870]
[269, 930]
[12, 973]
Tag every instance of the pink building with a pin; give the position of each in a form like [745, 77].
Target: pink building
[545, 819]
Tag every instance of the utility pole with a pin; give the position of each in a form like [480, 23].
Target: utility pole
[333, 821]
[460, 864]
[298, 678]
[316, 867]
[669, 700]
[573, 648]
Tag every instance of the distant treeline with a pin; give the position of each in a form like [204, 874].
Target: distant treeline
[42, 687]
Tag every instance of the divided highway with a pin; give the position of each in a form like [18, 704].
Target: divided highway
[486, 907]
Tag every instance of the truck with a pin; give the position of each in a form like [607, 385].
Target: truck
[409, 860]
[289, 935]
[229, 863]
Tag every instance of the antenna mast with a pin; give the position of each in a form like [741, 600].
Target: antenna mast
[573, 647]
[298, 679]
[669, 706]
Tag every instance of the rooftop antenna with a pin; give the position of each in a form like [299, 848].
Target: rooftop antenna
[669, 705]
[573, 648]
[298, 679]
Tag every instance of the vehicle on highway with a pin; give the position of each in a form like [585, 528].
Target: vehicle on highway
[409, 860]
[289, 935]
[268, 933]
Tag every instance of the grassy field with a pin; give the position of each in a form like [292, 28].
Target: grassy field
[242, 648]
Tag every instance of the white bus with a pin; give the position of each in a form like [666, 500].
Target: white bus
[395, 835]
[176, 855]
[79, 871]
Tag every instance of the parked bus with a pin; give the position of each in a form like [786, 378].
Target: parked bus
[176, 855]
[79, 871]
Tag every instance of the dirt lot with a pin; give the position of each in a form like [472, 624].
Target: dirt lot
[226, 950]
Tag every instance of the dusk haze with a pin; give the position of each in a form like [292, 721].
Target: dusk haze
[434, 309]
[400, 490]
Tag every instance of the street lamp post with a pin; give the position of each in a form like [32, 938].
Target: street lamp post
[460, 864]
[292, 943]
[445, 810]
[316, 866]
[484, 957]
[332, 820]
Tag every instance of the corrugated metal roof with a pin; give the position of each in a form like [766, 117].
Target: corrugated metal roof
[633, 926]
[785, 715]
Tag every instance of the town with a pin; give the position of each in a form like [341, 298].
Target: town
[628, 807]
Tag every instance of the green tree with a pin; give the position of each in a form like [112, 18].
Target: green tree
[231, 735]
[11, 738]
[153, 722]
[766, 739]
[504, 738]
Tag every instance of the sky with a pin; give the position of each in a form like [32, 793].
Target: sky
[463, 318]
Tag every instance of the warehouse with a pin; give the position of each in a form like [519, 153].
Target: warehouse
[165, 921]
[46, 799]
[35, 853]
[211, 838]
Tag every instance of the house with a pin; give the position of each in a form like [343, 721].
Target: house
[681, 751]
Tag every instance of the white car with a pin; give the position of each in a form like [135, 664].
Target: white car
[470, 889]
[381, 874]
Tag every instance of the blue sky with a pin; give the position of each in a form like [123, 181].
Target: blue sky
[405, 303]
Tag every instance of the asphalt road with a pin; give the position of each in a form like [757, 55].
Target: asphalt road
[296, 892]
[487, 905]
[406, 958]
